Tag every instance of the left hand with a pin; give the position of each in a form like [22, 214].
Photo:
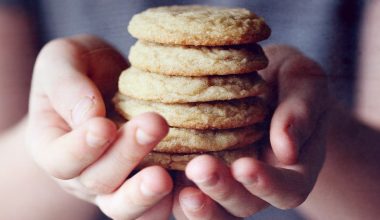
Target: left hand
[72, 140]
[286, 174]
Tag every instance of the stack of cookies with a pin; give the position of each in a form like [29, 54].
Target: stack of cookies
[196, 66]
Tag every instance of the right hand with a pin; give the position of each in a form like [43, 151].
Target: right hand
[288, 169]
[71, 139]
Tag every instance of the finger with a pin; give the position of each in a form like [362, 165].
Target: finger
[215, 180]
[194, 201]
[281, 188]
[276, 54]
[161, 210]
[137, 195]
[288, 186]
[71, 152]
[291, 125]
[181, 182]
[135, 140]
[64, 74]
[196, 205]
[302, 97]
[75, 188]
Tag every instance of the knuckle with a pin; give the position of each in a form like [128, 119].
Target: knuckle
[245, 213]
[54, 46]
[312, 67]
[298, 199]
[251, 209]
[73, 187]
[141, 203]
[119, 211]
[81, 156]
[128, 158]
[281, 48]
[303, 109]
[295, 200]
[97, 186]
[265, 188]
[57, 47]
[60, 173]
[223, 194]
[54, 167]
[116, 214]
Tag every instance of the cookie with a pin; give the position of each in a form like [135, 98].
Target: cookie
[198, 25]
[179, 161]
[204, 115]
[183, 140]
[197, 60]
[180, 89]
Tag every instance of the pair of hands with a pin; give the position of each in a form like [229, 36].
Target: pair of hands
[70, 137]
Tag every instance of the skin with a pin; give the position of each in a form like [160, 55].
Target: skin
[284, 180]
[288, 170]
[73, 141]
[91, 159]
[348, 184]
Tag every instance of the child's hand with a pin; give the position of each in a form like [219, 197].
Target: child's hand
[290, 167]
[70, 138]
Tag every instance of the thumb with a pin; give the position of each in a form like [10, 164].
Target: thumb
[302, 101]
[65, 74]
[292, 124]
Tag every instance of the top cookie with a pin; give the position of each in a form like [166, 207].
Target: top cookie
[198, 25]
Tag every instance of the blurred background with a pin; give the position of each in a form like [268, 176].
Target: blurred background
[326, 30]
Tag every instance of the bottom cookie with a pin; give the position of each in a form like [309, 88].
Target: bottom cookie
[179, 161]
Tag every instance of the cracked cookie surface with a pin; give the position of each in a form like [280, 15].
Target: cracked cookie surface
[198, 25]
[204, 115]
[149, 86]
[179, 161]
[197, 60]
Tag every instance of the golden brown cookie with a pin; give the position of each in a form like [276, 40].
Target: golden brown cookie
[197, 60]
[179, 161]
[198, 25]
[183, 140]
[204, 115]
[179, 89]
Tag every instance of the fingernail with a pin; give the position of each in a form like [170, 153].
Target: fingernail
[193, 202]
[208, 181]
[81, 109]
[146, 191]
[95, 141]
[143, 138]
